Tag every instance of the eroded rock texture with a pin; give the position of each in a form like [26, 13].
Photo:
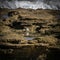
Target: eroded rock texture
[27, 34]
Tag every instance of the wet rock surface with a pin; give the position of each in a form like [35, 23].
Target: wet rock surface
[42, 25]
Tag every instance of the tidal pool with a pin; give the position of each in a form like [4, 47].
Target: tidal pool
[29, 38]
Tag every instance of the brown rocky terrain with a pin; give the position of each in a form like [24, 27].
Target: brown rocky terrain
[27, 34]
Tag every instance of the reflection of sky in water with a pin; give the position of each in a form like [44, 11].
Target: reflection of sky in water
[4, 16]
[29, 38]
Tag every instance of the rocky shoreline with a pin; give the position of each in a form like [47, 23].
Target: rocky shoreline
[17, 25]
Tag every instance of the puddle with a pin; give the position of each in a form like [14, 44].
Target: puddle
[5, 16]
[29, 38]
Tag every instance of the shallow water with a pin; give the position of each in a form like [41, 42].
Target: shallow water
[29, 38]
[5, 16]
